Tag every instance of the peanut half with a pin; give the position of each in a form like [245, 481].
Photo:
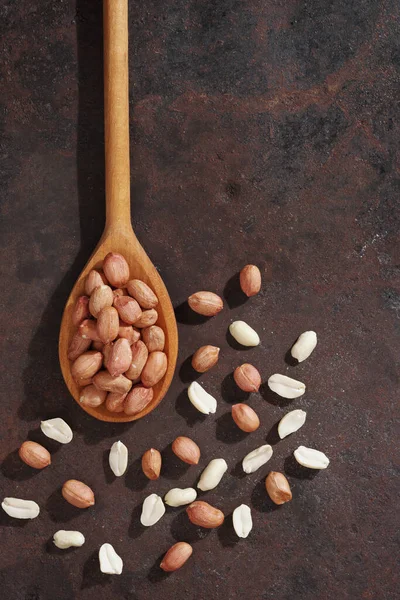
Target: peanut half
[152, 511]
[257, 458]
[118, 458]
[242, 521]
[202, 400]
[20, 509]
[57, 429]
[291, 422]
[110, 562]
[212, 474]
[286, 386]
[313, 459]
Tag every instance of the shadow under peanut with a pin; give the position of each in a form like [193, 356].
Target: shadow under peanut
[183, 529]
[186, 409]
[232, 293]
[92, 576]
[227, 431]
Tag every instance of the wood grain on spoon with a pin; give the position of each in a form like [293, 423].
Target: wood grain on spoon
[118, 234]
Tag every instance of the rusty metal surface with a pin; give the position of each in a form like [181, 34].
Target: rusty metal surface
[263, 132]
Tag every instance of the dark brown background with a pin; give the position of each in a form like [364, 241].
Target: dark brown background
[262, 131]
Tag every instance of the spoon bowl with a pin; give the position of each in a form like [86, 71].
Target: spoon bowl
[118, 234]
[140, 268]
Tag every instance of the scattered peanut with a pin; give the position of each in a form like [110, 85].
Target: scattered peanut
[20, 509]
[151, 463]
[176, 556]
[212, 474]
[247, 378]
[186, 449]
[245, 417]
[250, 280]
[34, 455]
[242, 521]
[57, 429]
[118, 458]
[205, 303]
[204, 358]
[244, 334]
[110, 562]
[278, 488]
[204, 515]
[77, 493]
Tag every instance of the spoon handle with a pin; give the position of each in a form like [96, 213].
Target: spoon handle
[116, 114]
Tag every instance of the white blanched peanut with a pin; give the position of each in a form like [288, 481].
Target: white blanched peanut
[109, 560]
[152, 511]
[244, 334]
[291, 422]
[67, 539]
[20, 509]
[286, 386]
[304, 345]
[57, 429]
[202, 400]
[257, 458]
[180, 497]
[118, 458]
[313, 459]
[242, 521]
[212, 474]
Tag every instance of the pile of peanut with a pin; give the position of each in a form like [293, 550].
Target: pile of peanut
[127, 342]
[117, 352]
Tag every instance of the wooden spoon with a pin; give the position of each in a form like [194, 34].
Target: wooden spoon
[118, 234]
